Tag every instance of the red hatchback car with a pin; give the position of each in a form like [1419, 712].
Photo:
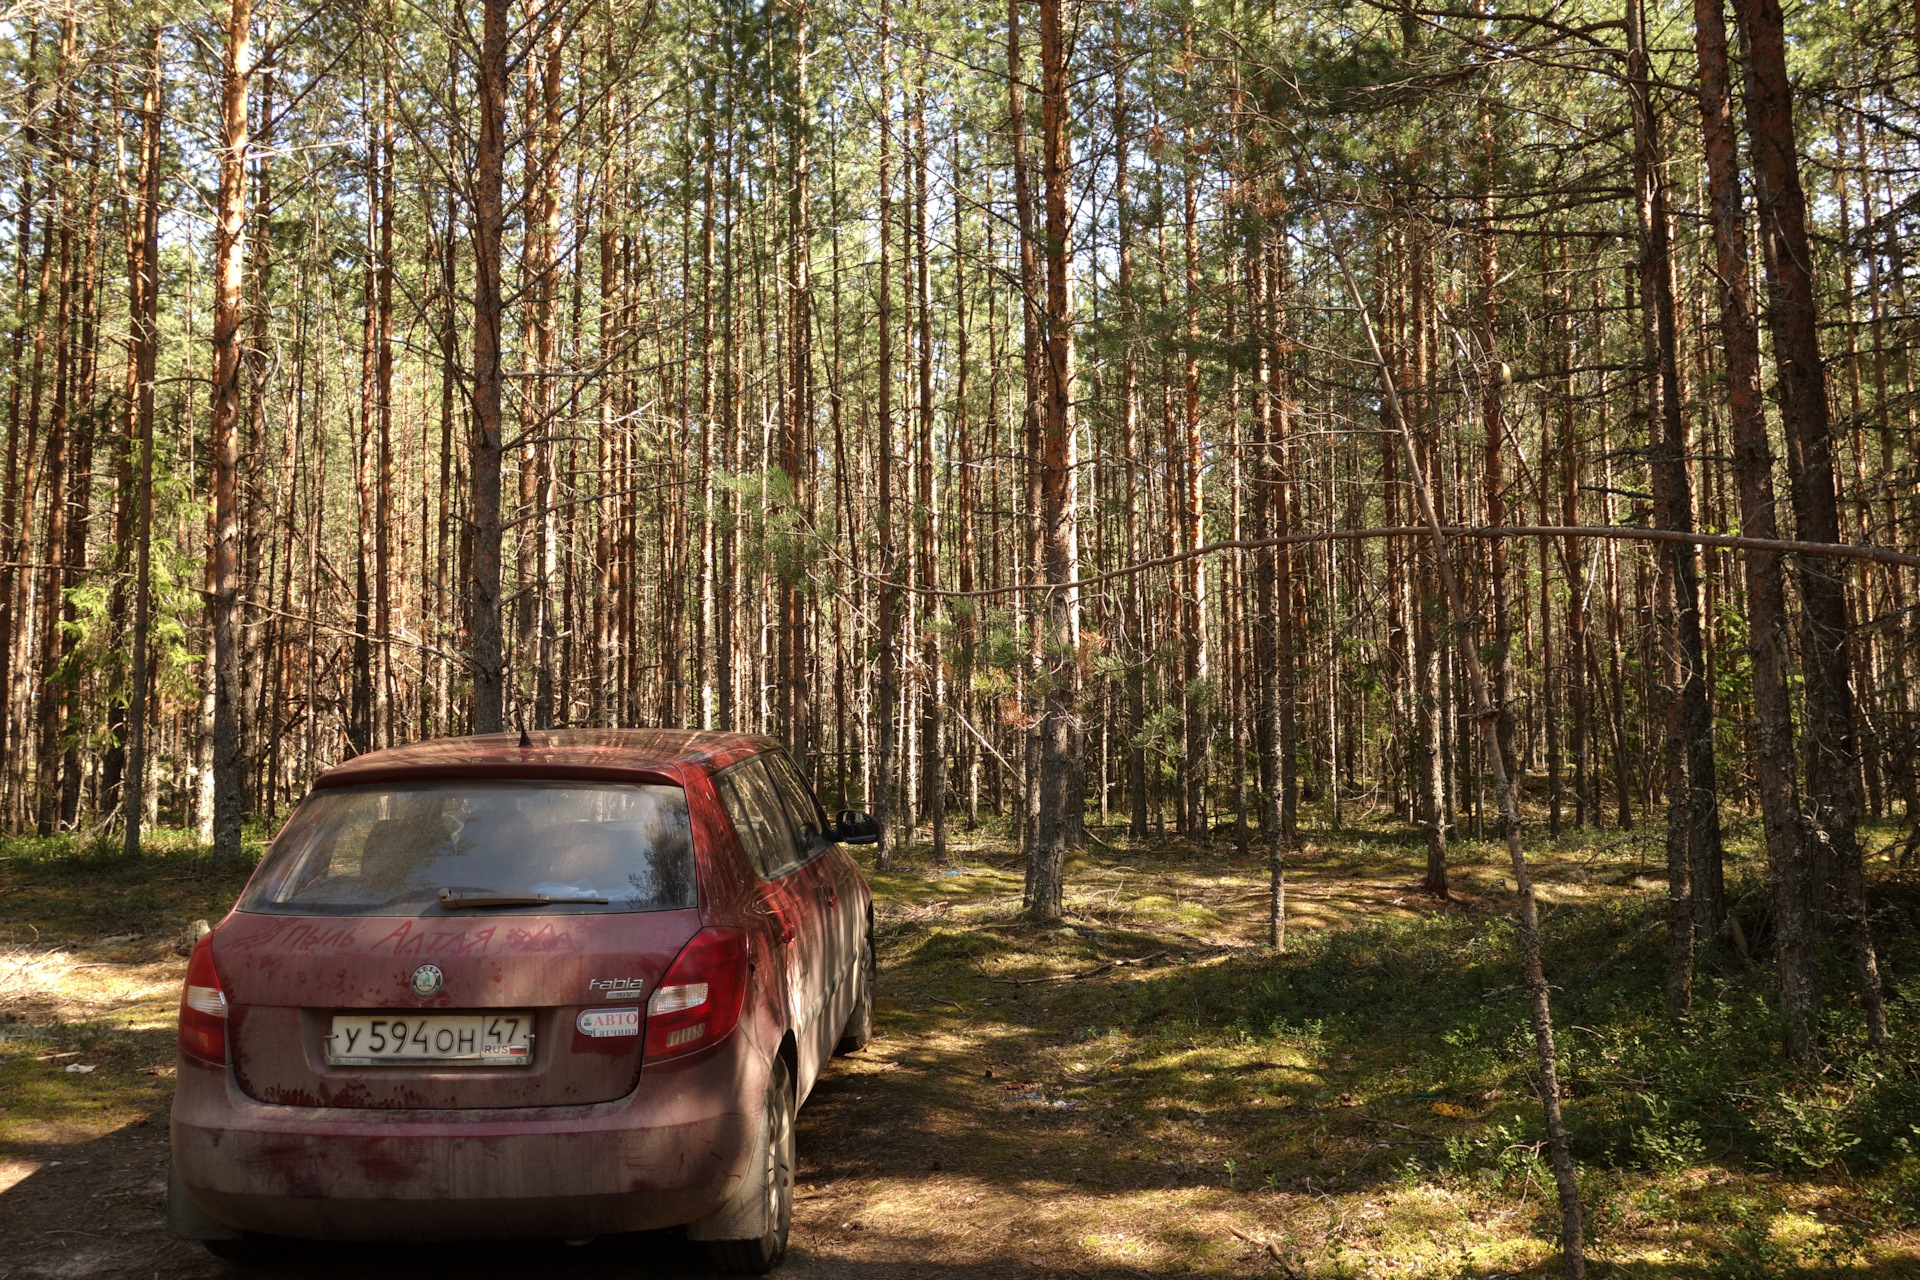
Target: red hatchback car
[504, 987]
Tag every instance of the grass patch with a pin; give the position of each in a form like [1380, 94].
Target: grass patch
[1363, 1104]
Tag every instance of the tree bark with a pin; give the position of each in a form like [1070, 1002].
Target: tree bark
[1196, 679]
[1695, 883]
[143, 292]
[1793, 316]
[933, 788]
[1769, 639]
[49, 698]
[1060, 777]
[796, 449]
[223, 574]
[888, 688]
[483, 581]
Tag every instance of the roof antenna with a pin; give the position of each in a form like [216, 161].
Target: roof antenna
[526, 743]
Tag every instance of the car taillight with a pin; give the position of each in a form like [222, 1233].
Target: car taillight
[698, 1003]
[203, 1009]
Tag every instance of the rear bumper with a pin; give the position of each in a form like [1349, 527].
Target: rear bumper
[671, 1152]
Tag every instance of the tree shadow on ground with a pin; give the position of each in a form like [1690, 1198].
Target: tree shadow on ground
[96, 1209]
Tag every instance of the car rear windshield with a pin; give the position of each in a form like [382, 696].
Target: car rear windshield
[390, 850]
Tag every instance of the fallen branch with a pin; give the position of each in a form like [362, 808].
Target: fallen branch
[1075, 977]
[1272, 1250]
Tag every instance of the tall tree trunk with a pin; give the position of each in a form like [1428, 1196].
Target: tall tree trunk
[797, 448]
[383, 673]
[1430, 621]
[483, 582]
[706, 648]
[1695, 891]
[1196, 685]
[17, 501]
[1493, 381]
[230, 249]
[1793, 316]
[49, 697]
[1033, 377]
[143, 296]
[537, 630]
[1060, 776]
[965, 489]
[1770, 641]
[887, 692]
[933, 692]
[1133, 607]
[1574, 568]
[86, 428]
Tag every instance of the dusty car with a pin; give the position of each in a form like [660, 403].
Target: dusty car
[553, 985]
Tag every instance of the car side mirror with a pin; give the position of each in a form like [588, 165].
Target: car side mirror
[855, 827]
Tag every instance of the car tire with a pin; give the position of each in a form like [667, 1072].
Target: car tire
[759, 1256]
[859, 1029]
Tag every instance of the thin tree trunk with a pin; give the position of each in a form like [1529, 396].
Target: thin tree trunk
[1033, 380]
[483, 584]
[1572, 1238]
[795, 444]
[382, 639]
[966, 627]
[49, 698]
[933, 692]
[885, 695]
[1694, 858]
[17, 503]
[1197, 682]
[230, 248]
[1059, 750]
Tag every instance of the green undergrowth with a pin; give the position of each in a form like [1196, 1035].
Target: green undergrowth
[65, 890]
[1646, 1089]
[1389, 1050]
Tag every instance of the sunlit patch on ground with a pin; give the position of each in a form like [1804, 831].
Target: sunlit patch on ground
[58, 984]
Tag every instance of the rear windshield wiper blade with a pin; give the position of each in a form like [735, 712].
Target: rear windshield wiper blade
[455, 898]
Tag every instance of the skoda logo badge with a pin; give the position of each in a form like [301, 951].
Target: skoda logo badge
[426, 980]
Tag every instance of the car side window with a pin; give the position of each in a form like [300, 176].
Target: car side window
[759, 817]
[809, 823]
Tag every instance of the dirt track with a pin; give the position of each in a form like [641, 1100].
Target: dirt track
[93, 1208]
[916, 1160]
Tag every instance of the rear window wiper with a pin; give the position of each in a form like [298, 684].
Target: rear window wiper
[452, 899]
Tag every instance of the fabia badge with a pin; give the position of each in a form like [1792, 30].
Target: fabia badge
[426, 980]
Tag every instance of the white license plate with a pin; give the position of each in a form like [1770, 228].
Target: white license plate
[493, 1039]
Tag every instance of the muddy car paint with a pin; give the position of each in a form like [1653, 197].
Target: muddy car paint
[590, 1137]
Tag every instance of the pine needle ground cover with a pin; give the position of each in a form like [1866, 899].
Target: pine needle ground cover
[1140, 1089]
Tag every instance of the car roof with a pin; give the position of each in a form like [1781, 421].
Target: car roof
[597, 754]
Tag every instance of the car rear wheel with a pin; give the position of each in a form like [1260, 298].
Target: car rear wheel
[859, 1028]
[759, 1256]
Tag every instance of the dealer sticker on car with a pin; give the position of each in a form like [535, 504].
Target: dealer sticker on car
[609, 1022]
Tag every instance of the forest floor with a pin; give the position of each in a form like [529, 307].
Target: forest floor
[1143, 1089]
